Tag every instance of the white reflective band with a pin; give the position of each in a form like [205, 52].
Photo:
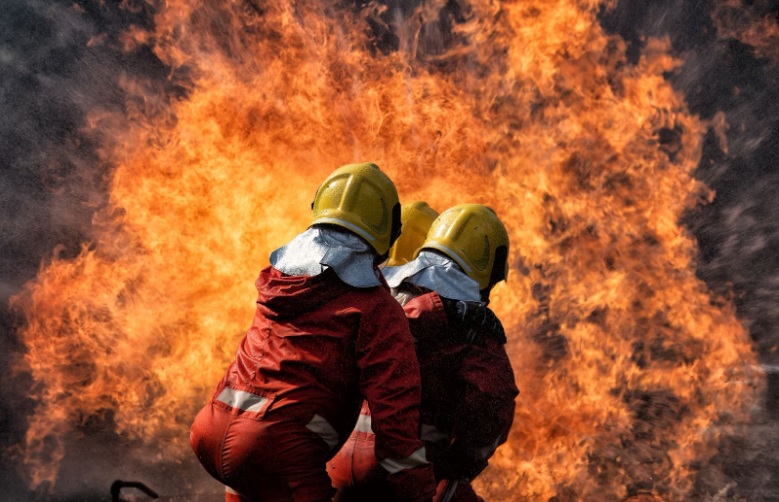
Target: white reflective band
[363, 424]
[231, 491]
[414, 460]
[431, 434]
[323, 428]
[242, 400]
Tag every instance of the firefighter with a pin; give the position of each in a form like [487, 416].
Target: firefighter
[326, 335]
[355, 460]
[468, 387]
[416, 218]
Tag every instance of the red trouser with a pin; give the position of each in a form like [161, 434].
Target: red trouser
[262, 460]
[356, 473]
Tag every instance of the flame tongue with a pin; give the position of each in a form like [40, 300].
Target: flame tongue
[627, 368]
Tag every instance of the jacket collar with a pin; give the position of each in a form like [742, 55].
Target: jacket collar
[319, 248]
[437, 272]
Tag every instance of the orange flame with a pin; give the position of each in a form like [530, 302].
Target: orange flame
[734, 19]
[629, 370]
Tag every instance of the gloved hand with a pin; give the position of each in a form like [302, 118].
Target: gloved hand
[464, 312]
[474, 319]
[458, 464]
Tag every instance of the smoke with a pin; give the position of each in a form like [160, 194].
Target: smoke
[730, 77]
[61, 70]
[733, 86]
[43, 206]
[42, 209]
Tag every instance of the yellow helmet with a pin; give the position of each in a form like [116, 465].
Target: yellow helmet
[416, 219]
[474, 237]
[360, 198]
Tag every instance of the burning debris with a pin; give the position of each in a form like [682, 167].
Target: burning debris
[635, 375]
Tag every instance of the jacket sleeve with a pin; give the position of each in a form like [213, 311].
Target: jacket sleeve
[486, 410]
[426, 316]
[390, 383]
[485, 384]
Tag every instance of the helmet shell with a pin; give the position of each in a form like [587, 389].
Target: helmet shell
[362, 199]
[416, 218]
[474, 237]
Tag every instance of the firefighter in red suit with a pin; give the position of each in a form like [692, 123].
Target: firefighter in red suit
[416, 218]
[326, 335]
[468, 387]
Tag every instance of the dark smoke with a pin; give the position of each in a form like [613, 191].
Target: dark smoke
[738, 233]
[43, 209]
[61, 60]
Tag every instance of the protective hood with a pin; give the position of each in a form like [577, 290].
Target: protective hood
[320, 248]
[437, 272]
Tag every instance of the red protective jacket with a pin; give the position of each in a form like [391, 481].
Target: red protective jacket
[468, 391]
[468, 394]
[317, 347]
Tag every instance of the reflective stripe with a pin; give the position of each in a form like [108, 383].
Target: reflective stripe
[431, 434]
[363, 424]
[230, 491]
[414, 460]
[242, 400]
[323, 428]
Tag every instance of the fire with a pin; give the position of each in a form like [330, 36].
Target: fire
[749, 25]
[629, 369]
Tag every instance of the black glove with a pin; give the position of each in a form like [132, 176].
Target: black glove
[458, 464]
[474, 320]
[464, 312]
